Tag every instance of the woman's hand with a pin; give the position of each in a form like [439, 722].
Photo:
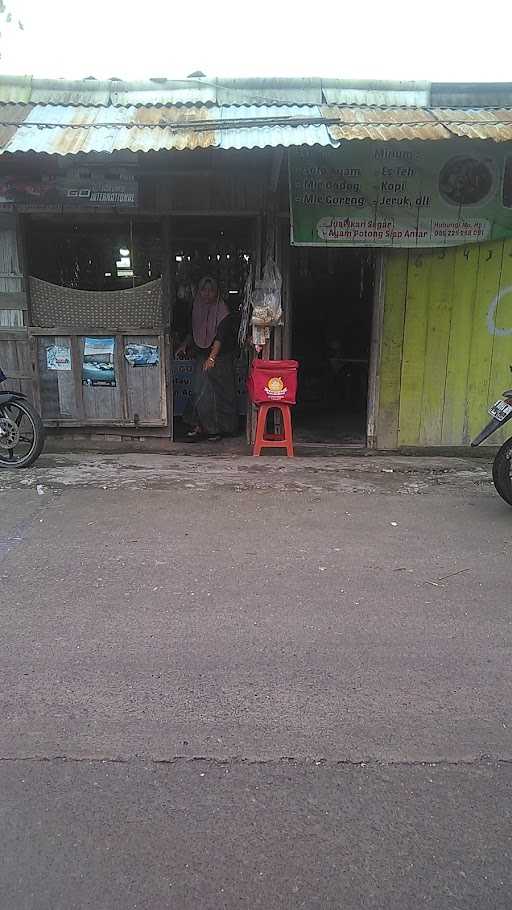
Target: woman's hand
[212, 356]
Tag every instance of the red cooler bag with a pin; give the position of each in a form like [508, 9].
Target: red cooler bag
[273, 381]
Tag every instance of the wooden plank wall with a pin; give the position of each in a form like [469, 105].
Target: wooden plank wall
[446, 343]
[138, 399]
[15, 350]
[12, 296]
[391, 350]
[216, 191]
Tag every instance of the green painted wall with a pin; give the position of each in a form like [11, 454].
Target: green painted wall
[443, 359]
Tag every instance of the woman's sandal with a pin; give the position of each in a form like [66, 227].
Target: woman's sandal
[194, 436]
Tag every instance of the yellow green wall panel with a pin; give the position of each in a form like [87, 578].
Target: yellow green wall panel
[446, 343]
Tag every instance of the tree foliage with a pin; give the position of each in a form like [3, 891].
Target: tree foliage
[8, 19]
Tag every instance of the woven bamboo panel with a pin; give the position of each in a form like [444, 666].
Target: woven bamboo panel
[52, 305]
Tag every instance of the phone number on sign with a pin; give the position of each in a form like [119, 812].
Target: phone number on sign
[480, 229]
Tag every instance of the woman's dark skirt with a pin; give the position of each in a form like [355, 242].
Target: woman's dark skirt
[213, 404]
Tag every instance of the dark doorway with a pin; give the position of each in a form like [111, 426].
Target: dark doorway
[332, 294]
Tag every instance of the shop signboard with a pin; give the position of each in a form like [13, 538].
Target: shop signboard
[401, 194]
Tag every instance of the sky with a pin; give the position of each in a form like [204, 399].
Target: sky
[437, 40]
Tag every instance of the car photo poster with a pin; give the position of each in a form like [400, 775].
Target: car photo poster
[98, 365]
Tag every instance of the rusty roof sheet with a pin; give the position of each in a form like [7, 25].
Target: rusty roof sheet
[382, 124]
[73, 129]
[63, 115]
[495, 124]
[82, 140]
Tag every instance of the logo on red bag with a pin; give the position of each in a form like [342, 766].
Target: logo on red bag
[275, 388]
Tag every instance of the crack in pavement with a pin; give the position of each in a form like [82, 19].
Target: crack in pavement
[475, 761]
[21, 531]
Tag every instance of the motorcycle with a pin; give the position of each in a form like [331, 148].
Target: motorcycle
[22, 432]
[501, 413]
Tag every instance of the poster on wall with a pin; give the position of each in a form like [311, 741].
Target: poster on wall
[400, 194]
[58, 357]
[142, 355]
[59, 192]
[98, 367]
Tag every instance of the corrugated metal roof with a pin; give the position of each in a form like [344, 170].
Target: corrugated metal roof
[274, 136]
[204, 90]
[163, 92]
[256, 91]
[72, 129]
[471, 95]
[477, 124]
[382, 123]
[434, 123]
[15, 89]
[269, 91]
[62, 115]
[74, 141]
[385, 94]
[56, 91]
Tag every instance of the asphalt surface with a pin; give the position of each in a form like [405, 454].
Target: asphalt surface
[236, 683]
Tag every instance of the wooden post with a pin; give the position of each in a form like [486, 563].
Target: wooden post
[252, 414]
[286, 272]
[76, 365]
[120, 364]
[166, 351]
[167, 273]
[34, 363]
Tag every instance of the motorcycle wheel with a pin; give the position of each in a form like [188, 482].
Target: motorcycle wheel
[28, 426]
[501, 469]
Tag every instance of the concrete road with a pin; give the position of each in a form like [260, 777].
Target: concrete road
[236, 683]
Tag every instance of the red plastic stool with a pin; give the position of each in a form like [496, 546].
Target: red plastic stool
[273, 440]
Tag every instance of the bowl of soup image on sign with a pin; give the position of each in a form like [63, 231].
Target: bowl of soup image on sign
[465, 181]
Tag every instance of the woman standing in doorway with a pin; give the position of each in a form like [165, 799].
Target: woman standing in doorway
[212, 409]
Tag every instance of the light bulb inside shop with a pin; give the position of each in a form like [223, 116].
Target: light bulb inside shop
[124, 252]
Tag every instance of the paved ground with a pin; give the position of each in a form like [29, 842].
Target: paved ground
[254, 683]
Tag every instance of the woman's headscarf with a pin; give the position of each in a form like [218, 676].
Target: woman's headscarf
[206, 317]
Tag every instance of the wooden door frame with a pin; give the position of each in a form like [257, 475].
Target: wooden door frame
[372, 408]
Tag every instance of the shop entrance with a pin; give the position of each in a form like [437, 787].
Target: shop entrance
[221, 248]
[332, 302]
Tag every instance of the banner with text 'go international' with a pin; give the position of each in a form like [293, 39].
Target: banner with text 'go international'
[403, 194]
